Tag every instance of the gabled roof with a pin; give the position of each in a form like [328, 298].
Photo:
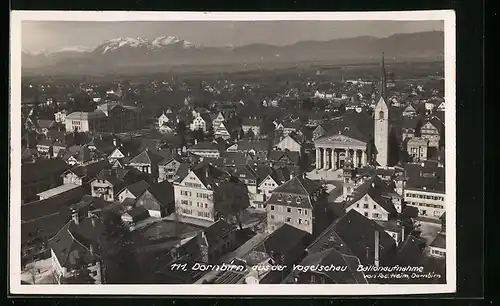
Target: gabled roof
[209, 174]
[218, 230]
[299, 185]
[163, 192]
[89, 170]
[277, 155]
[439, 241]
[72, 243]
[284, 239]
[45, 123]
[354, 234]
[332, 257]
[146, 157]
[377, 190]
[410, 252]
[137, 188]
[244, 172]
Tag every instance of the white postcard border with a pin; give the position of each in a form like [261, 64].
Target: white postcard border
[15, 286]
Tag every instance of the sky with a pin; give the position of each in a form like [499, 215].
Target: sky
[38, 36]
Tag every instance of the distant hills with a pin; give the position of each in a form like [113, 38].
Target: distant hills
[166, 51]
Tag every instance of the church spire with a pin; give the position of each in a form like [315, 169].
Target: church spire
[383, 81]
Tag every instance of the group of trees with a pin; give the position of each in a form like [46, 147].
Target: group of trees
[231, 200]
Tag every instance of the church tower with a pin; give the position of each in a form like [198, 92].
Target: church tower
[381, 118]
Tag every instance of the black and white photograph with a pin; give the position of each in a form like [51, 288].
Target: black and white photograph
[220, 153]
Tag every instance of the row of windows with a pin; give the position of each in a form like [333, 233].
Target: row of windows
[186, 202]
[204, 214]
[437, 252]
[424, 196]
[289, 210]
[186, 193]
[198, 204]
[202, 195]
[289, 220]
[187, 211]
[426, 205]
[193, 185]
[367, 206]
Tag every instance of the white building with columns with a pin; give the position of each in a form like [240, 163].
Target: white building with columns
[332, 151]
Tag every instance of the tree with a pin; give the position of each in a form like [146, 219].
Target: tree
[250, 134]
[418, 127]
[242, 134]
[199, 135]
[118, 251]
[231, 199]
[180, 128]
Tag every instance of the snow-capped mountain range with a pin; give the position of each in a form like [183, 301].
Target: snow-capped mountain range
[170, 51]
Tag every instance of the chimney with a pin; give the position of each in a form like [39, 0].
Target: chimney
[195, 141]
[75, 216]
[291, 175]
[377, 250]
[115, 142]
[402, 233]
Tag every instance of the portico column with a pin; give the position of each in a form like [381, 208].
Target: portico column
[325, 158]
[358, 158]
[365, 158]
[318, 158]
[334, 159]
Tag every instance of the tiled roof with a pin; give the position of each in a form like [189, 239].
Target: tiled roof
[45, 142]
[439, 241]
[333, 257]
[284, 239]
[410, 252]
[354, 234]
[425, 175]
[163, 192]
[205, 145]
[42, 169]
[89, 170]
[234, 158]
[209, 175]
[72, 243]
[45, 123]
[299, 185]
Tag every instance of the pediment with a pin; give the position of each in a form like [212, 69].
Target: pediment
[339, 139]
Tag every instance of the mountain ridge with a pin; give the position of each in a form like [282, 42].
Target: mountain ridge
[172, 51]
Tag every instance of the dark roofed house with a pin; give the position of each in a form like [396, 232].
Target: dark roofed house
[345, 274]
[373, 199]
[220, 239]
[40, 176]
[78, 245]
[44, 126]
[82, 175]
[284, 157]
[355, 235]
[147, 162]
[132, 191]
[158, 199]
[437, 248]
[411, 251]
[135, 215]
[45, 148]
[205, 149]
[284, 246]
